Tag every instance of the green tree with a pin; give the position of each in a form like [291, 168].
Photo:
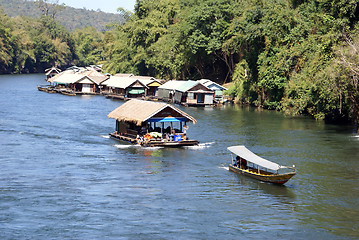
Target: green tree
[118, 53]
[279, 54]
[6, 43]
[348, 81]
[203, 27]
[24, 58]
[88, 45]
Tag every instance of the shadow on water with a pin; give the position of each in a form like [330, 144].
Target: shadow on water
[280, 192]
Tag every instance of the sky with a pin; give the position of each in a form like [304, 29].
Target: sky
[105, 5]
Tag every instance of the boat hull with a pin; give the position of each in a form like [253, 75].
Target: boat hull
[271, 178]
[172, 144]
[47, 88]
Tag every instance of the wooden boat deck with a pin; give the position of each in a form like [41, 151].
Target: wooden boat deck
[64, 91]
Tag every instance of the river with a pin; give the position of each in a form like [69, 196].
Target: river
[63, 178]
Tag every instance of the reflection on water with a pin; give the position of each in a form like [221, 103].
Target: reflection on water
[63, 177]
[281, 193]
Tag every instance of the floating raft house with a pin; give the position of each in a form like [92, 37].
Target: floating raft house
[152, 124]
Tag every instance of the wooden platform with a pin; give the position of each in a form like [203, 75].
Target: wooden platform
[123, 138]
[115, 96]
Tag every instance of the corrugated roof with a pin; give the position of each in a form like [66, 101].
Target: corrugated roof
[92, 73]
[181, 86]
[208, 83]
[148, 81]
[95, 76]
[172, 85]
[66, 77]
[143, 77]
[123, 74]
[98, 79]
[139, 111]
[120, 82]
[187, 85]
[52, 70]
[204, 81]
[69, 76]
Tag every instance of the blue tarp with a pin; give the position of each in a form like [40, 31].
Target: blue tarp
[168, 119]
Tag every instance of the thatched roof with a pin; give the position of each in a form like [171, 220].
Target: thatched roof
[139, 111]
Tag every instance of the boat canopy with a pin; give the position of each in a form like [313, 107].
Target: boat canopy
[243, 152]
[168, 119]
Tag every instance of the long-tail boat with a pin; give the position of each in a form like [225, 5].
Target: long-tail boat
[249, 164]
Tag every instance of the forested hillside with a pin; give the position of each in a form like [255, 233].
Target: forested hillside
[33, 44]
[70, 18]
[299, 57]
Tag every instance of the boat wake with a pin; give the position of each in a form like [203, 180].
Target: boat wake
[105, 136]
[200, 146]
[124, 146]
[152, 148]
[224, 167]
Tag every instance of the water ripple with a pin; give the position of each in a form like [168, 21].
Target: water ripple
[63, 178]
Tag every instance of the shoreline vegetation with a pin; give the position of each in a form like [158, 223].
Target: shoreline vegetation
[298, 57]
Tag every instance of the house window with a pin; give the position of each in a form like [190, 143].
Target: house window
[191, 96]
[86, 88]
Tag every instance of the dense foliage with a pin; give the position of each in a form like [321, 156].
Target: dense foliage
[300, 57]
[278, 54]
[70, 18]
[34, 44]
